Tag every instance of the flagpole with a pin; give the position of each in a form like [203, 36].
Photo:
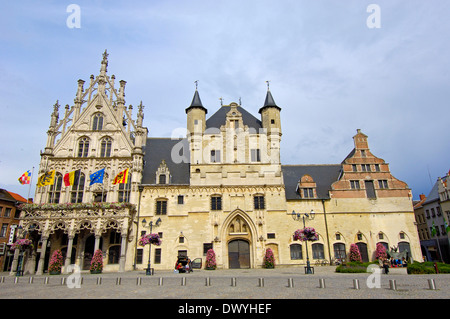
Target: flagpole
[31, 182]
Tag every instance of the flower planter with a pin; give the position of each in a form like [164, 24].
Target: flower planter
[56, 263]
[97, 262]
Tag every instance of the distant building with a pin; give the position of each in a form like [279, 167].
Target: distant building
[9, 222]
[220, 187]
[433, 212]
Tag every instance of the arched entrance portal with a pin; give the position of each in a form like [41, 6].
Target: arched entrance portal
[89, 248]
[239, 254]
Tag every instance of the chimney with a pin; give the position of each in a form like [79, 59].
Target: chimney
[422, 197]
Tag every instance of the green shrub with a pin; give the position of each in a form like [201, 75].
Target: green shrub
[419, 268]
[351, 269]
[427, 268]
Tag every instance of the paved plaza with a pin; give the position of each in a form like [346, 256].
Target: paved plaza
[279, 283]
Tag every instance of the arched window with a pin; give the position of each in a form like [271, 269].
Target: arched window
[55, 189]
[339, 251]
[318, 251]
[296, 251]
[363, 251]
[404, 246]
[97, 122]
[83, 147]
[125, 190]
[105, 150]
[114, 254]
[78, 189]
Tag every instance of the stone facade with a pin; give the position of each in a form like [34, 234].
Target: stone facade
[222, 186]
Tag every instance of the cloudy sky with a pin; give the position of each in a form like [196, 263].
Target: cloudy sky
[330, 73]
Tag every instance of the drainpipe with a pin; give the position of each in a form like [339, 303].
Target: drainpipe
[141, 188]
[326, 228]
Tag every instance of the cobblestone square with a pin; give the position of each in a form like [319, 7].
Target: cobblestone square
[247, 284]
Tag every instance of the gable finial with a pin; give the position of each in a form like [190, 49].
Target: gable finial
[104, 63]
[105, 57]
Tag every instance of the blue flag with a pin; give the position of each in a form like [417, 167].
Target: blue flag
[97, 177]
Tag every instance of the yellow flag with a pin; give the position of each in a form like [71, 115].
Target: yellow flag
[46, 178]
[121, 178]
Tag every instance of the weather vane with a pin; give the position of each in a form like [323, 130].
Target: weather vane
[196, 84]
[268, 84]
[221, 101]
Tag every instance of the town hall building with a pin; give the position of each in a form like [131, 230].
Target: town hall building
[220, 187]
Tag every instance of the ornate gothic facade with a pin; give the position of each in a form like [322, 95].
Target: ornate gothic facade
[222, 186]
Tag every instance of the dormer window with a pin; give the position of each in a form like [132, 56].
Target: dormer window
[307, 193]
[306, 187]
[255, 155]
[163, 174]
[215, 156]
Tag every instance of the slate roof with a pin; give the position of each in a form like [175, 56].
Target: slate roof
[434, 193]
[323, 176]
[219, 118]
[158, 149]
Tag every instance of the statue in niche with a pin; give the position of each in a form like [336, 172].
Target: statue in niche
[238, 226]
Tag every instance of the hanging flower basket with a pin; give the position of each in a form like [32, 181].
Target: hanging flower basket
[306, 234]
[22, 244]
[150, 239]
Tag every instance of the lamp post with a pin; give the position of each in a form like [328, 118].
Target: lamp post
[302, 216]
[144, 222]
[22, 234]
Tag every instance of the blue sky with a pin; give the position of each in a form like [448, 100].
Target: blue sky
[329, 73]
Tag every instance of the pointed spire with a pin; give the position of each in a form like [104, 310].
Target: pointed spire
[269, 102]
[196, 102]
